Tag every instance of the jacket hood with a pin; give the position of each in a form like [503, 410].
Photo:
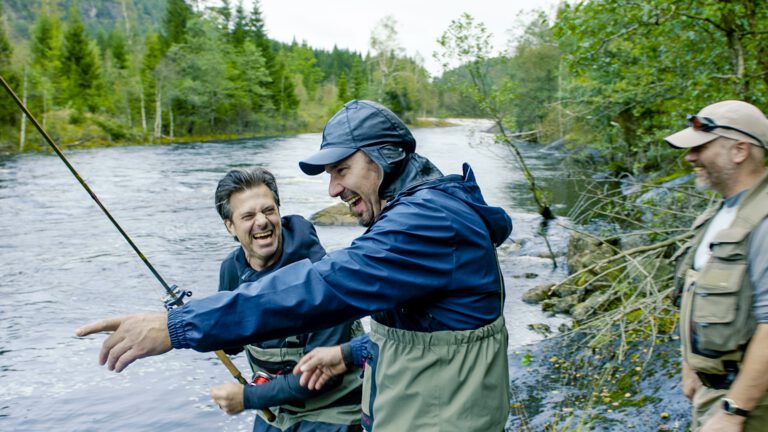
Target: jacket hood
[410, 170]
[464, 187]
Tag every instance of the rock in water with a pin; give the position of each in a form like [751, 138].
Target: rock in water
[335, 215]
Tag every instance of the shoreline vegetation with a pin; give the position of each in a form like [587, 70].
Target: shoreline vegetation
[36, 142]
[609, 79]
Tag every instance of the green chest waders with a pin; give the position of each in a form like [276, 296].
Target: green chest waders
[441, 381]
[316, 409]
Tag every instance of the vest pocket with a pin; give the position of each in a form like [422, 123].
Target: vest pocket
[716, 308]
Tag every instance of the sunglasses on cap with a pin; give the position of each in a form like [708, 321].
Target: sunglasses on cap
[706, 124]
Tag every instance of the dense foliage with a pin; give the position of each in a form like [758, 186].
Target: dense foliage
[633, 70]
[614, 76]
[158, 70]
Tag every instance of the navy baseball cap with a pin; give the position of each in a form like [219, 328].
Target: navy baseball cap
[359, 124]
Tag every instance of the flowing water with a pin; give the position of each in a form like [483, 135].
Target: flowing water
[63, 265]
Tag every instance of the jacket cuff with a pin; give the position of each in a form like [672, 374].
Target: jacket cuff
[176, 329]
[346, 355]
[358, 350]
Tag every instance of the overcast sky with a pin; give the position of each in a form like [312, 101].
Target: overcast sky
[348, 23]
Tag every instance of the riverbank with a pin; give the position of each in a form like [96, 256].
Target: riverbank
[93, 131]
[557, 386]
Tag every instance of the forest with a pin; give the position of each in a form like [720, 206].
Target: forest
[100, 72]
[614, 75]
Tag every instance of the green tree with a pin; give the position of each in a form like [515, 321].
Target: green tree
[634, 69]
[386, 49]
[467, 43]
[80, 70]
[8, 111]
[534, 65]
[301, 63]
[153, 53]
[281, 89]
[341, 84]
[239, 29]
[45, 52]
[359, 81]
[118, 49]
[177, 14]
[397, 81]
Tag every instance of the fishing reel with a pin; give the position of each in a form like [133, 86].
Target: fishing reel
[175, 297]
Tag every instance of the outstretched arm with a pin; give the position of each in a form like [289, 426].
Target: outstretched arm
[133, 337]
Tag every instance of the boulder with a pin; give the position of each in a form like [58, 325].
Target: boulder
[539, 328]
[560, 305]
[335, 215]
[584, 251]
[567, 290]
[537, 294]
[583, 310]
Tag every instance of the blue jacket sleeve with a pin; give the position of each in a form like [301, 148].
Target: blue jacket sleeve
[407, 255]
[228, 280]
[285, 389]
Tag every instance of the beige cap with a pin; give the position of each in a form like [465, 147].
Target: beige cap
[731, 113]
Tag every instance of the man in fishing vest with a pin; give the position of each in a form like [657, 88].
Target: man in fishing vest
[425, 268]
[723, 273]
[249, 204]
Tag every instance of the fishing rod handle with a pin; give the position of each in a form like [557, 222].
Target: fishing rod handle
[269, 415]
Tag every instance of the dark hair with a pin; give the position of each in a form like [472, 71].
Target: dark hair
[238, 180]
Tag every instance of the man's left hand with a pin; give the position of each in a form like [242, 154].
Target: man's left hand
[134, 337]
[723, 422]
[229, 397]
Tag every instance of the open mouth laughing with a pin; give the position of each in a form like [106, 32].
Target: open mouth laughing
[353, 201]
[262, 235]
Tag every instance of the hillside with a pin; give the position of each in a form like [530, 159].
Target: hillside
[136, 16]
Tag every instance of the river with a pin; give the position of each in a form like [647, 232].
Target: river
[63, 265]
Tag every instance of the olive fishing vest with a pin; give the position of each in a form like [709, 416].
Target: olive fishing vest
[716, 315]
[318, 409]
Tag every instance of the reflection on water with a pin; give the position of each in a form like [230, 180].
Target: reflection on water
[63, 264]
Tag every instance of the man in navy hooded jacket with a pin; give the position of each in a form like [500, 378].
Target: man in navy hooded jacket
[425, 269]
[248, 202]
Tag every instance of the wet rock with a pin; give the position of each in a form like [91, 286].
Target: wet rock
[509, 247]
[537, 294]
[531, 275]
[583, 310]
[567, 290]
[557, 146]
[584, 251]
[560, 305]
[540, 328]
[335, 215]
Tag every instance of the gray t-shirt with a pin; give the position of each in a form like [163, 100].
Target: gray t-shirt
[757, 255]
[757, 264]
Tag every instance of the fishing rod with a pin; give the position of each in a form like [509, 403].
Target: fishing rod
[175, 295]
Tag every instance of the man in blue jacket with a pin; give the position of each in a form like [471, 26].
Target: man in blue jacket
[249, 204]
[425, 269]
